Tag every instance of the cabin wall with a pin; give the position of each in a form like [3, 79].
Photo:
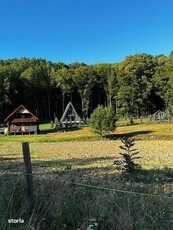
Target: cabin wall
[21, 128]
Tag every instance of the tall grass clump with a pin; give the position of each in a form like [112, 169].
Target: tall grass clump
[60, 205]
[12, 200]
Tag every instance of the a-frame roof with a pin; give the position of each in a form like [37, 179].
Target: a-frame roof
[158, 111]
[74, 113]
[20, 107]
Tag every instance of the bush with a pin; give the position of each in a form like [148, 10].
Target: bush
[103, 120]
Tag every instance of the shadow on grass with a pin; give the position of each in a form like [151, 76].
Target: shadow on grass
[8, 158]
[129, 134]
[128, 124]
[72, 162]
[150, 176]
[8, 164]
[70, 129]
[102, 172]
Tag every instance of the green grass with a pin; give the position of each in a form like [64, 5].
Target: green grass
[122, 122]
[47, 134]
[147, 131]
[143, 131]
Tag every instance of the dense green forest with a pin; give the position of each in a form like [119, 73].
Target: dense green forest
[139, 85]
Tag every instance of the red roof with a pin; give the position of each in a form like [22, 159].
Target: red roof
[34, 118]
[24, 120]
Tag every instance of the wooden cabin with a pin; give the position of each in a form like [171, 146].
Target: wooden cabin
[22, 121]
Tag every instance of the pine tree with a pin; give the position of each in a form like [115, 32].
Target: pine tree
[129, 156]
[103, 120]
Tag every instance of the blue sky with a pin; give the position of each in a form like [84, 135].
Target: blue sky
[89, 31]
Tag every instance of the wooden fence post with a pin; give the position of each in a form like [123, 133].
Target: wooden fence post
[28, 177]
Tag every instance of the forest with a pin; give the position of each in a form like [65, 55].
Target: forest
[138, 86]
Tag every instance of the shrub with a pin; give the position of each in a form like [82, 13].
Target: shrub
[103, 120]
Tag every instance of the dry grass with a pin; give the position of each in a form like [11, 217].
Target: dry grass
[95, 154]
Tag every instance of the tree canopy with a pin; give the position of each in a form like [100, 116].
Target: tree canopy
[139, 85]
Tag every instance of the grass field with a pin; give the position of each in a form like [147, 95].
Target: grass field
[83, 151]
[142, 131]
[81, 156]
[95, 154]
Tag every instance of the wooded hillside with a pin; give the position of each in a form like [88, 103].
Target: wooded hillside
[139, 85]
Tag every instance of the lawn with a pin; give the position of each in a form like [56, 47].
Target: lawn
[147, 131]
[48, 134]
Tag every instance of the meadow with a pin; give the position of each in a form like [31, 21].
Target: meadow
[76, 183]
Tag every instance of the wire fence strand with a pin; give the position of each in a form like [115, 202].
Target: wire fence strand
[51, 177]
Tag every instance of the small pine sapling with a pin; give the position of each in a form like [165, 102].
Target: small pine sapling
[129, 155]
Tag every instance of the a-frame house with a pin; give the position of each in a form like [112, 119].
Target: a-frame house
[70, 115]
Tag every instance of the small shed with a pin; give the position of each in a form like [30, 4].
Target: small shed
[21, 121]
[159, 115]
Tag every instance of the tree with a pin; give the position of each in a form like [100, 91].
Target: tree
[163, 82]
[135, 78]
[129, 155]
[138, 86]
[107, 81]
[84, 78]
[103, 120]
[38, 80]
[65, 82]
